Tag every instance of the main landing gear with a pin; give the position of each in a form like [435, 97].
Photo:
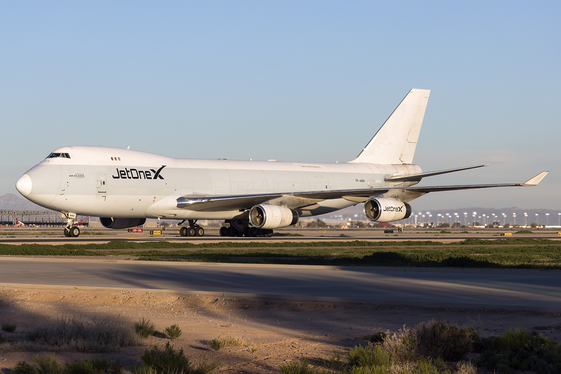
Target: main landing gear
[71, 231]
[241, 228]
[192, 230]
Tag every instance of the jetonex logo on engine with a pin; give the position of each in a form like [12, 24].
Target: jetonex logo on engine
[392, 208]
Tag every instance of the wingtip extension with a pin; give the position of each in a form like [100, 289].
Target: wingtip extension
[535, 180]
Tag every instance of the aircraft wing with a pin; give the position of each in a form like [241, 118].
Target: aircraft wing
[530, 182]
[243, 202]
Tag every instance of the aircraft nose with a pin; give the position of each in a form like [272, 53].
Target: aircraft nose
[24, 185]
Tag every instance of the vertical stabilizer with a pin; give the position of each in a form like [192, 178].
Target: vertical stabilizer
[396, 140]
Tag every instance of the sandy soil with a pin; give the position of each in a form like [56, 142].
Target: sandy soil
[277, 331]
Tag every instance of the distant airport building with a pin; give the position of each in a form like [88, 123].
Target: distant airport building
[31, 218]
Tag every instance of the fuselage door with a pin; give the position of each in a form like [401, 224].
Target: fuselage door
[101, 186]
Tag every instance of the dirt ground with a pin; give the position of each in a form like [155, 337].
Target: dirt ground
[277, 331]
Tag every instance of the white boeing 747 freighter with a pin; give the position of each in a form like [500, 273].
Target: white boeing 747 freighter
[125, 187]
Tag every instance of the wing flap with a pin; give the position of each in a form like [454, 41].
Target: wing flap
[534, 181]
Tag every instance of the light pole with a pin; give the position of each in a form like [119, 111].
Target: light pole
[466, 215]
[546, 219]
[525, 219]
[514, 218]
[537, 219]
[504, 218]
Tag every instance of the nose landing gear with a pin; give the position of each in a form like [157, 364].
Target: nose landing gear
[71, 231]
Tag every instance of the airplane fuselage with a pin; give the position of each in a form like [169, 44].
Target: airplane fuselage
[100, 181]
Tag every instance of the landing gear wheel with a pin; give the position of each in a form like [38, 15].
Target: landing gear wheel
[190, 231]
[199, 231]
[183, 231]
[66, 232]
[74, 231]
[223, 231]
[232, 231]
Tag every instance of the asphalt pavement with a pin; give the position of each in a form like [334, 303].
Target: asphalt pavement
[470, 288]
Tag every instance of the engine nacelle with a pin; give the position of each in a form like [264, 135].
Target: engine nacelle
[264, 216]
[386, 210]
[121, 223]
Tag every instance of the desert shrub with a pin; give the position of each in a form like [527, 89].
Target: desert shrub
[518, 349]
[168, 360]
[99, 364]
[426, 366]
[173, 331]
[367, 356]
[443, 340]
[116, 367]
[215, 344]
[144, 328]
[465, 368]
[23, 367]
[206, 366]
[402, 345]
[47, 364]
[336, 362]
[9, 327]
[82, 367]
[33, 335]
[226, 340]
[378, 338]
[299, 367]
[100, 335]
[141, 369]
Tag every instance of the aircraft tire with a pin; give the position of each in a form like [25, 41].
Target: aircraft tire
[74, 231]
[223, 231]
[199, 231]
[183, 231]
[67, 232]
[191, 231]
[232, 231]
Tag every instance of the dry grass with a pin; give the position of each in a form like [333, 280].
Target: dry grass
[227, 340]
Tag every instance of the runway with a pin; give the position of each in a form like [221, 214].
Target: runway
[506, 289]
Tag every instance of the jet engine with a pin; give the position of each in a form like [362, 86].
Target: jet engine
[264, 216]
[386, 210]
[121, 223]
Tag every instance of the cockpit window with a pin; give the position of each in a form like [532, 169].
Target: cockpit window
[58, 155]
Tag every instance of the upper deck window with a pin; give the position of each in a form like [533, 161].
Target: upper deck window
[58, 155]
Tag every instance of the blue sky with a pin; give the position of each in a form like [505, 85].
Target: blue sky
[293, 81]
